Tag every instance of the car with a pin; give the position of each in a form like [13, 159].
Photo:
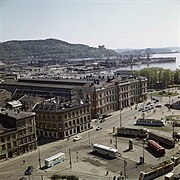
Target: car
[102, 120]
[99, 128]
[158, 106]
[77, 138]
[176, 135]
[29, 170]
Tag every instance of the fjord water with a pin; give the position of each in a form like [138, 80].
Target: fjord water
[166, 65]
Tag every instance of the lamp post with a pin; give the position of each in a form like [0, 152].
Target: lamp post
[120, 119]
[39, 156]
[125, 164]
[70, 162]
[89, 138]
[143, 149]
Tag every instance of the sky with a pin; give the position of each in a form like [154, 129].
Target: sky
[113, 23]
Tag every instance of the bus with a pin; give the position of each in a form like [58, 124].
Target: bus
[105, 150]
[53, 160]
[156, 147]
[162, 139]
[156, 170]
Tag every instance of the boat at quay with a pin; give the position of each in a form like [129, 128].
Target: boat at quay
[159, 60]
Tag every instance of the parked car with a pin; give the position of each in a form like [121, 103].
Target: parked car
[29, 170]
[77, 138]
[176, 135]
[158, 106]
[99, 128]
[102, 120]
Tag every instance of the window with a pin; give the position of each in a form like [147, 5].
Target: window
[54, 126]
[3, 147]
[69, 115]
[14, 143]
[9, 145]
[77, 113]
[73, 114]
[81, 120]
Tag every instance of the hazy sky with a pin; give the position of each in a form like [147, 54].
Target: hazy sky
[113, 23]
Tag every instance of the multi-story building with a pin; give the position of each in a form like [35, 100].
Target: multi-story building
[5, 96]
[116, 94]
[106, 94]
[17, 133]
[59, 118]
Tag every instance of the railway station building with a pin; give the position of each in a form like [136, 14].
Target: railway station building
[105, 95]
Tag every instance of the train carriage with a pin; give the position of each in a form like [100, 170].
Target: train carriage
[162, 139]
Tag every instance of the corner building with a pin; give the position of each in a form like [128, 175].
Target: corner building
[17, 133]
[56, 118]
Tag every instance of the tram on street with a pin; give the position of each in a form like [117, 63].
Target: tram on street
[156, 147]
[105, 150]
[149, 122]
[176, 158]
[53, 160]
[157, 170]
[132, 132]
[162, 139]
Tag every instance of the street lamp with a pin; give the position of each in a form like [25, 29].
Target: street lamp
[39, 155]
[120, 119]
[89, 138]
[125, 164]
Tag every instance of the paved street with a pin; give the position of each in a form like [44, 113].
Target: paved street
[87, 165]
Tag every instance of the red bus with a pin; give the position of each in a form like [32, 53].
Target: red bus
[156, 147]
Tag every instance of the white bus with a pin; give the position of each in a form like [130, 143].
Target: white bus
[105, 150]
[57, 158]
[157, 170]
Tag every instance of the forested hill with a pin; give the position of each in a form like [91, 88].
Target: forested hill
[49, 48]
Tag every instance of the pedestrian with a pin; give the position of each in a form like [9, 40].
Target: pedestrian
[24, 161]
[114, 178]
[107, 173]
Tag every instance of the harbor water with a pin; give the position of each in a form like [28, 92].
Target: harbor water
[166, 65]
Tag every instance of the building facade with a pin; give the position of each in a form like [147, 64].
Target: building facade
[105, 94]
[5, 96]
[56, 118]
[17, 133]
[116, 94]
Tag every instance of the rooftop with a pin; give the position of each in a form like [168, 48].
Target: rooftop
[16, 114]
[58, 104]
